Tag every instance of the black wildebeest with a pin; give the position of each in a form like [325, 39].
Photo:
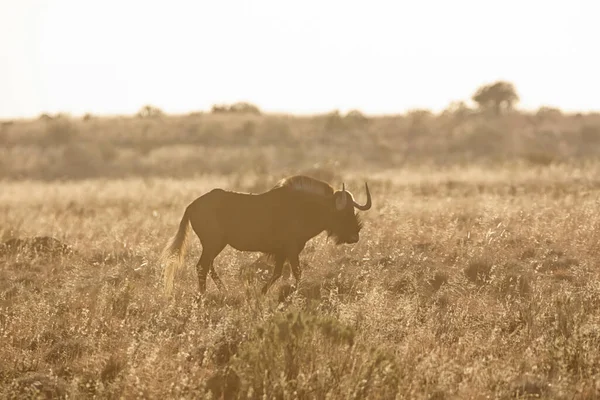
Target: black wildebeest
[278, 222]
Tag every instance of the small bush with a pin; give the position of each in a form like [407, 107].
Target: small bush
[356, 118]
[244, 108]
[149, 111]
[548, 113]
[45, 117]
[237, 108]
[61, 131]
[334, 122]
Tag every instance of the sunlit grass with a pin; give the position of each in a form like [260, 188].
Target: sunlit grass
[466, 283]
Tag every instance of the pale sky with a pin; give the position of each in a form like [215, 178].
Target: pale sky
[113, 57]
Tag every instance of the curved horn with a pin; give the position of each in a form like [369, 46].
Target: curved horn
[367, 205]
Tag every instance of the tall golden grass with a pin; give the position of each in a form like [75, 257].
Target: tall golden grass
[472, 278]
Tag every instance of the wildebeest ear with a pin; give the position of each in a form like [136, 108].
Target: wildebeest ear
[341, 200]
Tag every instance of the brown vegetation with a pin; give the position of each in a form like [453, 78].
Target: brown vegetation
[229, 143]
[476, 279]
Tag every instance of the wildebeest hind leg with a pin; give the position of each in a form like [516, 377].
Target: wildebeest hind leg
[210, 250]
[279, 260]
[205, 265]
[202, 269]
[212, 238]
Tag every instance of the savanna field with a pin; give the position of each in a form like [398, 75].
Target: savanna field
[476, 275]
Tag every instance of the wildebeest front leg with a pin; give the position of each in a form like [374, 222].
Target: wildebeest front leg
[295, 264]
[215, 278]
[279, 260]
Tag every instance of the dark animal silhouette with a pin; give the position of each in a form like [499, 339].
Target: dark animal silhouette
[278, 223]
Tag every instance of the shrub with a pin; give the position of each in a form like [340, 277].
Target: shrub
[61, 131]
[149, 111]
[334, 122]
[548, 113]
[239, 108]
[356, 117]
[244, 108]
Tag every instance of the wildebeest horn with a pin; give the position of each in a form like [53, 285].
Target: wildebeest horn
[341, 200]
[367, 205]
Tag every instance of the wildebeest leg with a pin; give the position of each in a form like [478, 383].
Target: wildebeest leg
[293, 254]
[202, 269]
[279, 260]
[211, 235]
[295, 264]
[215, 277]
[205, 265]
[285, 273]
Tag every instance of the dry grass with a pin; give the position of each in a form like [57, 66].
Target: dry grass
[467, 283]
[476, 274]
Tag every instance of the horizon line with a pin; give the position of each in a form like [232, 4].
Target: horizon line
[267, 112]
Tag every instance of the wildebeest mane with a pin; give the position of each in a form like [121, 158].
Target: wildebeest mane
[306, 184]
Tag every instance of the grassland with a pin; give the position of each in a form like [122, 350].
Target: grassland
[476, 275]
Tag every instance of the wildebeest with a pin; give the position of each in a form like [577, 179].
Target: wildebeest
[277, 222]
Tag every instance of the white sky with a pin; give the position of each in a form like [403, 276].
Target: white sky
[114, 56]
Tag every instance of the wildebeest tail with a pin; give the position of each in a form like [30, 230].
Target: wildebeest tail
[173, 254]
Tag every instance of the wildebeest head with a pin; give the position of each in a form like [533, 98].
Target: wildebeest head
[340, 219]
[345, 223]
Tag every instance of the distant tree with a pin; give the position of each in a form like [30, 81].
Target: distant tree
[419, 117]
[356, 117]
[149, 111]
[546, 112]
[497, 96]
[457, 109]
[419, 120]
[357, 114]
[334, 121]
[219, 108]
[245, 108]
[239, 108]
